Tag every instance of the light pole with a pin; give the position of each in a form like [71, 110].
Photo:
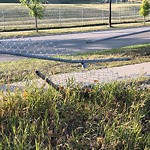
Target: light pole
[110, 13]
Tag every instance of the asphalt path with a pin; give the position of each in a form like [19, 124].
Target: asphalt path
[74, 42]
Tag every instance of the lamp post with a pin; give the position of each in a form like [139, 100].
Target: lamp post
[110, 13]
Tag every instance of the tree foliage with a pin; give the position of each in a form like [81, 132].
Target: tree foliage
[36, 9]
[145, 9]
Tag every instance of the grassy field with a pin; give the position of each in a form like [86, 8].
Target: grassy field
[15, 16]
[92, 19]
[54, 1]
[12, 6]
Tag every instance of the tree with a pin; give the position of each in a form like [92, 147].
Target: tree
[145, 9]
[36, 9]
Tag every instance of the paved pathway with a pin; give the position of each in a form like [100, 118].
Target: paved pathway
[75, 42]
[89, 77]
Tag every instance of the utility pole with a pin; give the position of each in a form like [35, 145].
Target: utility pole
[110, 13]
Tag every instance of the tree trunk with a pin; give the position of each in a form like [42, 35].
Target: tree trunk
[36, 25]
[144, 20]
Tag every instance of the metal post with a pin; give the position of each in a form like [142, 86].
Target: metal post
[102, 16]
[60, 15]
[3, 19]
[109, 13]
[82, 11]
[134, 15]
[120, 15]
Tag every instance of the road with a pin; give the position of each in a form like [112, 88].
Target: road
[74, 42]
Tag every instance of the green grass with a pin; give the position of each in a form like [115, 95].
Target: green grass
[70, 30]
[113, 116]
[18, 22]
[12, 6]
[17, 18]
[16, 71]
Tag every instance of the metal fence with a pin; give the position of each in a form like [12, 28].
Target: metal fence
[17, 69]
[60, 17]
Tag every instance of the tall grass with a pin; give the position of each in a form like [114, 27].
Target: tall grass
[113, 116]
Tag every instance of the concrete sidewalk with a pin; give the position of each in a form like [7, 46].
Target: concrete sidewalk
[75, 42]
[90, 77]
[105, 75]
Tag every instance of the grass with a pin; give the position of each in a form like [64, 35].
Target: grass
[113, 116]
[70, 30]
[20, 24]
[16, 71]
[72, 15]
[12, 6]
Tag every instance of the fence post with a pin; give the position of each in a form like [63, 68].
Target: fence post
[82, 11]
[3, 14]
[102, 16]
[134, 14]
[120, 15]
[59, 15]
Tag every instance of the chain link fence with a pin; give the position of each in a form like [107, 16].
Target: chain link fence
[62, 17]
[22, 60]
[25, 60]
